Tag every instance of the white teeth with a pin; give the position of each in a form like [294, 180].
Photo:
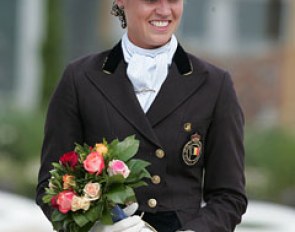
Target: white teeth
[159, 23]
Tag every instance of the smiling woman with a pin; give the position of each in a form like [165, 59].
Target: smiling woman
[151, 23]
[184, 112]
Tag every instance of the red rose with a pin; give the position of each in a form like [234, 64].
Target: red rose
[69, 159]
[94, 163]
[54, 202]
[64, 201]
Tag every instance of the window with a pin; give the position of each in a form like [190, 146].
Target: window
[7, 44]
[194, 18]
[259, 20]
[233, 26]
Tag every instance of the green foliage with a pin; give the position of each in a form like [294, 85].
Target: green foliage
[21, 137]
[52, 48]
[270, 162]
[82, 150]
[126, 149]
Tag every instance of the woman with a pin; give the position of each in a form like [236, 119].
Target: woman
[183, 110]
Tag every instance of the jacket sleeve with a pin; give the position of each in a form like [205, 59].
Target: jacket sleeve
[224, 181]
[62, 129]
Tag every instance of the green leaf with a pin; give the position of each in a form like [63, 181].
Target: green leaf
[57, 166]
[126, 149]
[86, 228]
[106, 218]
[95, 212]
[135, 179]
[80, 219]
[120, 194]
[69, 225]
[72, 227]
[116, 194]
[137, 184]
[58, 216]
[138, 170]
[136, 165]
[111, 148]
[116, 179]
[47, 198]
[114, 143]
[57, 226]
[83, 151]
[130, 194]
[55, 174]
[144, 174]
[57, 183]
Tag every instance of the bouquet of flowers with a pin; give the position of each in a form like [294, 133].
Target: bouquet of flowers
[89, 182]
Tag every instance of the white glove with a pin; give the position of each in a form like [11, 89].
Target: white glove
[129, 210]
[129, 224]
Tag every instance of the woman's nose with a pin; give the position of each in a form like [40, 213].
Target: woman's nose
[163, 8]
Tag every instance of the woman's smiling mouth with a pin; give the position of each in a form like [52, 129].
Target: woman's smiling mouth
[160, 23]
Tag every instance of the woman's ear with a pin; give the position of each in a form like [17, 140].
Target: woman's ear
[120, 3]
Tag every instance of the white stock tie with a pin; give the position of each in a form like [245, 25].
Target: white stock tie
[147, 68]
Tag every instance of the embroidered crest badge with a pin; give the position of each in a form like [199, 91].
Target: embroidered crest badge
[192, 150]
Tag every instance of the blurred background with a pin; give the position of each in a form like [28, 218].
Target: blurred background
[253, 39]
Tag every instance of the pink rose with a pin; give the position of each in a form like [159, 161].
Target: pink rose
[64, 201]
[69, 159]
[118, 167]
[92, 191]
[94, 163]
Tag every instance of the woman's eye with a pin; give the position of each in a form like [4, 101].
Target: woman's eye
[150, 1]
[153, 1]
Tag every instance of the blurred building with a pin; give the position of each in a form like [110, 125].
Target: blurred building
[21, 33]
[288, 74]
[248, 38]
[253, 39]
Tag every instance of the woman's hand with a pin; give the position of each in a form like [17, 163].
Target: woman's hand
[130, 224]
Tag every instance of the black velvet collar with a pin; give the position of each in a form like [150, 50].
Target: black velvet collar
[180, 58]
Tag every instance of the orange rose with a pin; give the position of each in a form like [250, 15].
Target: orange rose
[68, 181]
[100, 147]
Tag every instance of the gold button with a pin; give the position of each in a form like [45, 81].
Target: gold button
[152, 203]
[187, 127]
[160, 153]
[156, 179]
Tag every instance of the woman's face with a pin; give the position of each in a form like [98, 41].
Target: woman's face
[151, 23]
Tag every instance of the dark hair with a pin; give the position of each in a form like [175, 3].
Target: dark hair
[119, 12]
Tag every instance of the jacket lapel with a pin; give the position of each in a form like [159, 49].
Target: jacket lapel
[183, 80]
[175, 90]
[118, 90]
